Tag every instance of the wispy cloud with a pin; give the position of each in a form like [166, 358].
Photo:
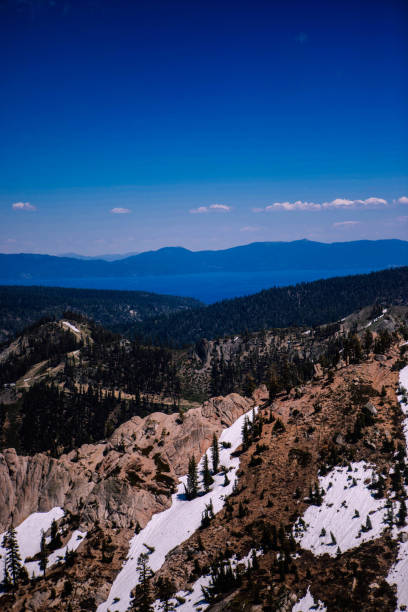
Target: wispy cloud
[250, 228]
[345, 224]
[337, 203]
[120, 211]
[402, 200]
[212, 208]
[23, 206]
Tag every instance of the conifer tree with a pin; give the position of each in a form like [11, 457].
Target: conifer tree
[43, 554]
[143, 599]
[14, 569]
[245, 433]
[191, 489]
[402, 514]
[207, 478]
[215, 454]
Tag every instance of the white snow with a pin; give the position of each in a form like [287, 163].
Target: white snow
[72, 327]
[58, 555]
[337, 513]
[168, 529]
[308, 603]
[398, 573]
[29, 534]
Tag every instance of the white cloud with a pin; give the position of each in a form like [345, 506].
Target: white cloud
[345, 224]
[120, 211]
[333, 204]
[23, 206]
[220, 207]
[199, 211]
[298, 205]
[212, 208]
[402, 200]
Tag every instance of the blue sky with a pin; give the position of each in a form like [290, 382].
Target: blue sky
[275, 120]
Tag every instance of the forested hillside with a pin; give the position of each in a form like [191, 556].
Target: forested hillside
[21, 306]
[308, 304]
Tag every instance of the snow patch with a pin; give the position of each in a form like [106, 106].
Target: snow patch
[346, 492]
[33, 567]
[71, 327]
[308, 603]
[29, 534]
[195, 598]
[168, 529]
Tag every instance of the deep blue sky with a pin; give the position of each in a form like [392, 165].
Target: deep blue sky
[162, 108]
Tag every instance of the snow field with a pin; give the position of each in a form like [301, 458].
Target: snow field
[29, 540]
[169, 528]
[345, 491]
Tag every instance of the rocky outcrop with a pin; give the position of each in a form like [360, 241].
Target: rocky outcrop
[120, 482]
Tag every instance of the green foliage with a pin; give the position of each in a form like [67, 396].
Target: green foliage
[310, 304]
[215, 454]
[15, 572]
[206, 475]
[191, 488]
[143, 598]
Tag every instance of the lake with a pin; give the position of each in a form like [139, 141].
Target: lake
[208, 288]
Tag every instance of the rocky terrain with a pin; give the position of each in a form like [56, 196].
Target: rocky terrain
[345, 416]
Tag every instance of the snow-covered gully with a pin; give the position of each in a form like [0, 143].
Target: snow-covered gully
[168, 529]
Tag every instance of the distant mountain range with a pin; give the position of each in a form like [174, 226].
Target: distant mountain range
[255, 257]
[105, 257]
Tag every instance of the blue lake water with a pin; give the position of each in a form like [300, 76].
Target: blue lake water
[208, 288]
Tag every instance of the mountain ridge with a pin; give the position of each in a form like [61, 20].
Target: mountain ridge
[256, 256]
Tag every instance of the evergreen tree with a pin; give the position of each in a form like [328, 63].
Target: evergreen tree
[55, 538]
[215, 454]
[191, 489]
[245, 433]
[207, 478]
[43, 554]
[402, 514]
[14, 569]
[143, 599]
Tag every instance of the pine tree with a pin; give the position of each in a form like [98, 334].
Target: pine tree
[14, 568]
[143, 599]
[191, 489]
[55, 541]
[245, 433]
[402, 514]
[207, 478]
[43, 554]
[215, 454]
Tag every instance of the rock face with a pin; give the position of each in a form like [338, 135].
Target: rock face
[120, 482]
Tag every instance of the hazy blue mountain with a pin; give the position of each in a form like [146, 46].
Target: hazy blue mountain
[255, 257]
[105, 257]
